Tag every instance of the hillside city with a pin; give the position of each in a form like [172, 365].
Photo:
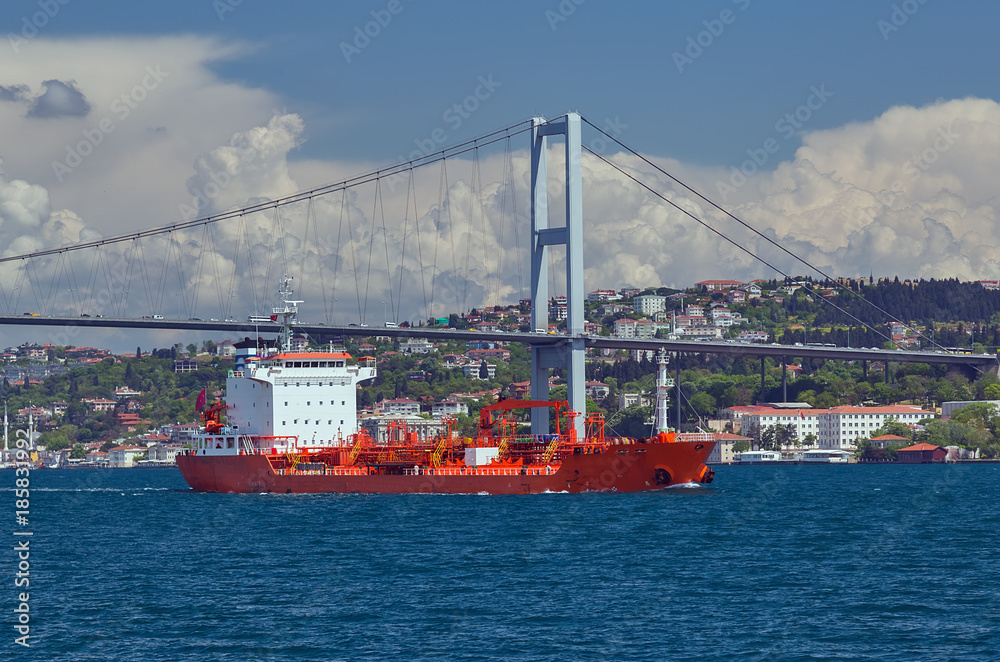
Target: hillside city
[90, 407]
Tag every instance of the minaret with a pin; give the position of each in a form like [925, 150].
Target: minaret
[6, 446]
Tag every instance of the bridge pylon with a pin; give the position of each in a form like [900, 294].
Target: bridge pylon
[571, 352]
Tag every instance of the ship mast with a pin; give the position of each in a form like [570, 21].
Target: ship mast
[663, 385]
[286, 313]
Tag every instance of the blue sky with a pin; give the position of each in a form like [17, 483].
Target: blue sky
[605, 59]
[874, 124]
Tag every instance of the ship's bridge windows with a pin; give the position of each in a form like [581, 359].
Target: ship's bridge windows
[315, 364]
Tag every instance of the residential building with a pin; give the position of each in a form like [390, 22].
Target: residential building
[449, 407]
[125, 456]
[597, 390]
[921, 454]
[186, 365]
[603, 295]
[723, 451]
[736, 412]
[841, 426]
[625, 328]
[181, 433]
[478, 355]
[716, 285]
[124, 392]
[630, 399]
[416, 346]
[166, 453]
[804, 422]
[700, 331]
[97, 457]
[648, 304]
[471, 371]
[753, 336]
[401, 406]
[99, 404]
[225, 348]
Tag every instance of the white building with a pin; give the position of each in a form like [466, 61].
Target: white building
[700, 331]
[449, 408]
[472, 371]
[625, 328]
[163, 452]
[400, 406]
[125, 456]
[723, 317]
[416, 346]
[803, 421]
[647, 304]
[630, 399]
[753, 336]
[723, 451]
[841, 426]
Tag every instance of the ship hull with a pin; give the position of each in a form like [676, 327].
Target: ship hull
[628, 468]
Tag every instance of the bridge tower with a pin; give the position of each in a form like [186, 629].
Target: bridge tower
[571, 351]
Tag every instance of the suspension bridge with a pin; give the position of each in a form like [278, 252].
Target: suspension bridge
[484, 238]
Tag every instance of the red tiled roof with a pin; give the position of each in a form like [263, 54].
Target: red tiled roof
[922, 446]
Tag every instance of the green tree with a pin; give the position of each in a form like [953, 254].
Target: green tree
[894, 427]
[741, 446]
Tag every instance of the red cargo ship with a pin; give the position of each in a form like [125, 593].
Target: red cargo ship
[287, 413]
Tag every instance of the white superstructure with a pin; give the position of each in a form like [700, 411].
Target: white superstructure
[287, 400]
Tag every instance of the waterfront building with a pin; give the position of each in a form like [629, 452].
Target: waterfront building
[838, 428]
[723, 451]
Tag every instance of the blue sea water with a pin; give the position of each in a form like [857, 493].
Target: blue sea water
[768, 563]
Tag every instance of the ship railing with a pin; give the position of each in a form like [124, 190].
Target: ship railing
[247, 445]
[480, 471]
[703, 437]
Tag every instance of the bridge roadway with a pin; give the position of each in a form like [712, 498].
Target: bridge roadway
[323, 333]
